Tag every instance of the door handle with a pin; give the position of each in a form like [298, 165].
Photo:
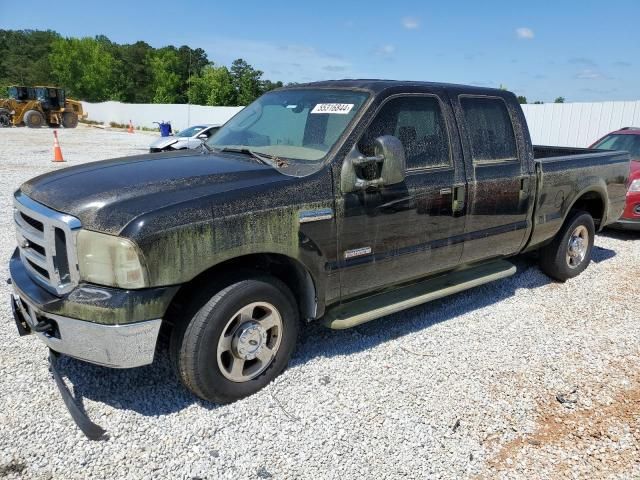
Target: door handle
[524, 189]
[459, 194]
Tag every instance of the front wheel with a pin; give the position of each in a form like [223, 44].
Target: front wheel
[33, 119]
[5, 118]
[570, 251]
[238, 341]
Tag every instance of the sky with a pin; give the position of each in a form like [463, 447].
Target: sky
[580, 50]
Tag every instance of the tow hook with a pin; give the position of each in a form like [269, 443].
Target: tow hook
[43, 326]
[84, 423]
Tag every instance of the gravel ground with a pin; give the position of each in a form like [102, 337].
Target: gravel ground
[522, 378]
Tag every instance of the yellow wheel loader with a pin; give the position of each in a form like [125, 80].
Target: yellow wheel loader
[35, 107]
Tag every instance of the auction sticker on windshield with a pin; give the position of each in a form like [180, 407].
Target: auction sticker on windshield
[339, 108]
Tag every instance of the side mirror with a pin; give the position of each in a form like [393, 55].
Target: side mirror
[388, 151]
[203, 136]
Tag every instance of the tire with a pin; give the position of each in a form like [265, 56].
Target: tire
[205, 347]
[69, 120]
[570, 251]
[5, 118]
[33, 119]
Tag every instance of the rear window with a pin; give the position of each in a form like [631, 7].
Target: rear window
[489, 129]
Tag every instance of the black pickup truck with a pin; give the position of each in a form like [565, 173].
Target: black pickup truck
[338, 201]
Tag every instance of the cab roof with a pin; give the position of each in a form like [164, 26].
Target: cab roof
[377, 85]
[626, 131]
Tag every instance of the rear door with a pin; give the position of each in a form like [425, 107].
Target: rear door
[499, 176]
[396, 233]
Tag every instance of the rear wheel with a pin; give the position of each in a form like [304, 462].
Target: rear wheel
[570, 251]
[5, 118]
[33, 119]
[69, 120]
[237, 341]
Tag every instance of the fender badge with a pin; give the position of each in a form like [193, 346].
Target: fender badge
[306, 216]
[357, 252]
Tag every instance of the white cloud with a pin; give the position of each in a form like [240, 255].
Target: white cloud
[411, 23]
[286, 62]
[386, 50]
[525, 33]
[589, 74]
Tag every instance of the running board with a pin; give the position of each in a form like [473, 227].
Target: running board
[359, 311]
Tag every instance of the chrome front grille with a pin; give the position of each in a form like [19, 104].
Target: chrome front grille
[46, 240]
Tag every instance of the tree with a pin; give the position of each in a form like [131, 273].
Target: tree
[164, 64]
[134, 79]
[214, 86]
[97, 69]
[246, 81]
[538, 102]
[522, 99]
[268, 85]
[559, 100]
[191, 63]
[84, 67]
[24, 56]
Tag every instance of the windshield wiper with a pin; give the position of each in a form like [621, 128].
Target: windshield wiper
[263, 158]
[205, 147]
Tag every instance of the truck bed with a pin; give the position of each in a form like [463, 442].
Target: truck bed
[548, 151]
[566, 174]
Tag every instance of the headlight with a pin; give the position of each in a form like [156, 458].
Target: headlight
[109, 260]
[635, 185]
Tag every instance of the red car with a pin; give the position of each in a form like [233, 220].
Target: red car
[628, 139]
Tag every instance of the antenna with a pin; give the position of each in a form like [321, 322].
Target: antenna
[189, 92]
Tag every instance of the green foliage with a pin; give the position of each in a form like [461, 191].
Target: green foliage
[522, 99]
[559, 100]
[97, 69]
[133, 82]
[214, 86]
[24, 56]
[538, 102]
[246, 81]
[166, 82]
[85, 67]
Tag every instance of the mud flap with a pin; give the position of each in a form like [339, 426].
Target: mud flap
[84, 423]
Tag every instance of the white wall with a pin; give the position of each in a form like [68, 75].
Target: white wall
[578, 124]
[561, 124]
[144, 115]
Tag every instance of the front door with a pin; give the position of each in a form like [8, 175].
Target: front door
[397, 233]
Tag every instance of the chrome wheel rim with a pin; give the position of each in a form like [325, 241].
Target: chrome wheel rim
[249, 341]
[577, 246]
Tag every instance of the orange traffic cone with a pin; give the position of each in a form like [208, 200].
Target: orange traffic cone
[130, 129]
[57, 152]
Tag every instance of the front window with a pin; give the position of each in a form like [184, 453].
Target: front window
[630, 143]
[296, 126]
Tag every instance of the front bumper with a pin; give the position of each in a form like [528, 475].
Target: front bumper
[116, 346]
[106, 326]
[626, 224]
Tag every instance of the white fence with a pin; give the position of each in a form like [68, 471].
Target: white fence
[561, 124]
[144, 114]
[578, 124]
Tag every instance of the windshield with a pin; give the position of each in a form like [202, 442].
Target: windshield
[300, 125]
[630, 143]
[190, 132]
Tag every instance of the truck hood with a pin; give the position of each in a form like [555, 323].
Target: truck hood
[107, 195]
